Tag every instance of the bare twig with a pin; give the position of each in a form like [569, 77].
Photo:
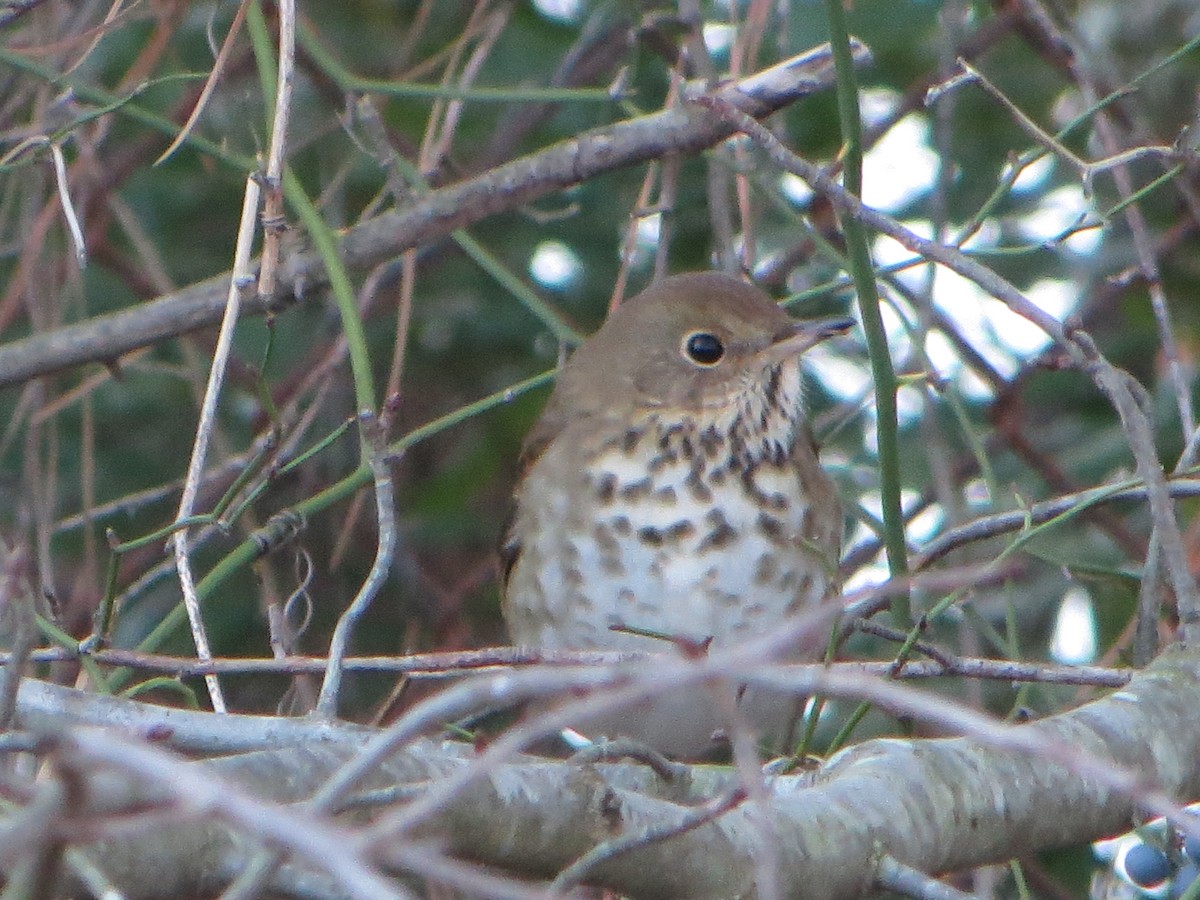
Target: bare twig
[68, 208]
[272, 217]
[892, 875]
[451, 665]
[1039, 513]
[605, 851]
[385, 511]
[241, 280]
[17, 609]
[210, 83]
[1132, 405]
[1087, 170]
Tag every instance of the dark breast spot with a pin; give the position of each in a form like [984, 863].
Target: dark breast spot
[698, 490]
[605, 539]
[662, 460]
[680, 530]
[737, 445]
[667, 435]
[773, 530]
[720, 533]
[606, 488]
[611, 564]
[773, 381]
[636, 490]
[766, 570]
[773, 500]
[727, 599]
[651, 536]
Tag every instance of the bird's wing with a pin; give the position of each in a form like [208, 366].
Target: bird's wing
[547, 427]
[825, 524]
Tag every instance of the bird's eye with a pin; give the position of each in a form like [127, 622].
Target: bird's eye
[703, 348]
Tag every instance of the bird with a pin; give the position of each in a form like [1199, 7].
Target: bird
[672, 489]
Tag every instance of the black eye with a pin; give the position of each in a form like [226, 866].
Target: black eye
[703, 348]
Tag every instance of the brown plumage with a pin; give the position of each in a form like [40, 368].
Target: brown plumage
[671, 485]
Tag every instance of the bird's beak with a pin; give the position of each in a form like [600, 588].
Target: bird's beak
[800, 336]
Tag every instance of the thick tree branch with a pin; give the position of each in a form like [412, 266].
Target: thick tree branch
[932, 805]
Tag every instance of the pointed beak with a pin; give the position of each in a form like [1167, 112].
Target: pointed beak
[800, 336]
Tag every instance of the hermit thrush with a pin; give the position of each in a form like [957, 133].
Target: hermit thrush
[671, 486]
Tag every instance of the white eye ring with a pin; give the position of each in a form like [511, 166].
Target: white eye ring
[703, 348]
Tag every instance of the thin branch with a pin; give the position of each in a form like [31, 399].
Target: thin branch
[606, 851]
[1015, 520]
[457, 664]
[893, 875]
[208, 414]
[385, 510]
[17, 608]
[272, 217]
[64, 198]
[210, 83]
[1132, 405]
